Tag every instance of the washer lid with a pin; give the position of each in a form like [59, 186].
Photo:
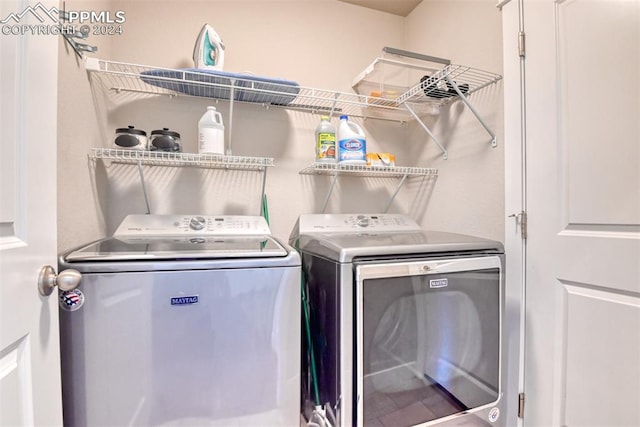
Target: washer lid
[178, 248]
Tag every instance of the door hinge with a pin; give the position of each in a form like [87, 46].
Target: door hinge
[521, 217]
[521, 405]
[521, 46]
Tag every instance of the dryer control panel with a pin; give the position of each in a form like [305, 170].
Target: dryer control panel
[192, 225]
[346, 223]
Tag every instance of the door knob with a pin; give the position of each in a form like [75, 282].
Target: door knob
[67, 280]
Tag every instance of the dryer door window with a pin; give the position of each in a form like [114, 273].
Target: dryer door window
[428, 339]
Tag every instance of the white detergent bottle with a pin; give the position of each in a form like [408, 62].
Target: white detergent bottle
[211, 133]
[352, 146]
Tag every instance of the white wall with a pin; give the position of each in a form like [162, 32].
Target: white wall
[318, 43]
[80, 215]
[469, 195]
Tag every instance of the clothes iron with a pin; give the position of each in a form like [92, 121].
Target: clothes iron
[208, 52]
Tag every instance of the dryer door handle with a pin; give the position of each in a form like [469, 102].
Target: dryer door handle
[67, 280]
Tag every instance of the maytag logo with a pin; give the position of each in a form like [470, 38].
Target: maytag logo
[438, 283]
[188, 300]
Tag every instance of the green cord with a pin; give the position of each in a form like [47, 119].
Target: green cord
[305, 307]
[265, 214]
[265, 208]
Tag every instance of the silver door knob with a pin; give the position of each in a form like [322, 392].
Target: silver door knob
[48, 279]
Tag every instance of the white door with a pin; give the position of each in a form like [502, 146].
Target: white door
[582, 274]
[29, 348]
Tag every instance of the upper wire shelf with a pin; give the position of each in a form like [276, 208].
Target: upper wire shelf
[440, 87]
[401, 77]
[162, 158]
[413, 80]
[118, 77]
[320, 168]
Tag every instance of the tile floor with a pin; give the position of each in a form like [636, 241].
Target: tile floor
[408, 407]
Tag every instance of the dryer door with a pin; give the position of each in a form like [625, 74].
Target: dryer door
[428, 338]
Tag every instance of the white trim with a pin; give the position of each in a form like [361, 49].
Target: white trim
[502, 3]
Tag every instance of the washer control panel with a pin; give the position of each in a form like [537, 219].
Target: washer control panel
[345, 223]
[192, 225]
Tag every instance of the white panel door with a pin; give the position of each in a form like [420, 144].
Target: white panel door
[514, 205]
[29, 347]
[582, 348]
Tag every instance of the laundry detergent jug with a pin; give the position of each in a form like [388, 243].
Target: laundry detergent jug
[352, 146]
[211, 132]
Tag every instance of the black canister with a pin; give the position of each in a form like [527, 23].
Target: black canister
[130, 138]
[165, 140]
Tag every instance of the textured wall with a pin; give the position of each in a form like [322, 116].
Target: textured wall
[318, 43]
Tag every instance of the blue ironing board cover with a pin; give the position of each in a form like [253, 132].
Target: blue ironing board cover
[190, 81]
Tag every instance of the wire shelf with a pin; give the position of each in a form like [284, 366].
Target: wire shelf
[162, 158]
[119, 77]
[440, 87]
[366, 171]
[405, 78]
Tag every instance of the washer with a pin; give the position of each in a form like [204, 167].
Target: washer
[405, 325]
[182, 320]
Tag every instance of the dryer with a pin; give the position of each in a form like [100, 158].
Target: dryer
[404, 325]
[182, 320]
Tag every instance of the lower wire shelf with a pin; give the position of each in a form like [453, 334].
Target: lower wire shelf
[163, 158]
[362, 170]
[172, 159]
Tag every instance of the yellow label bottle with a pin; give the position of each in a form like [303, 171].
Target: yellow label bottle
[325, 141]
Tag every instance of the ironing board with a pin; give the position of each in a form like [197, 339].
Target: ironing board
[217, 84]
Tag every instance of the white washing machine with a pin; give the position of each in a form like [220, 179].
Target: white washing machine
[404, 325]
[182, 320]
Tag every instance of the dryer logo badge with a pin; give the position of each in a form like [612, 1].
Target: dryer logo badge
[438, 283]
[187, 300]
[494, 414]
[71, 300]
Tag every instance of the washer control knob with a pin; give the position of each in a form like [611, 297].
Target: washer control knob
[197, 223]
[362, 222]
